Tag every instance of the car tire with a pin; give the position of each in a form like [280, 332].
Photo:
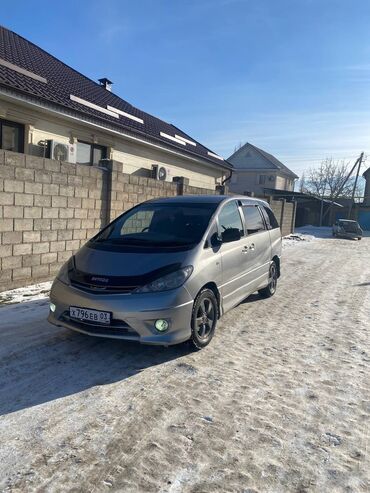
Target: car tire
[204, 318]
[270, 289]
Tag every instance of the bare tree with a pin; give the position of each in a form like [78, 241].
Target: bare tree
[329, 179]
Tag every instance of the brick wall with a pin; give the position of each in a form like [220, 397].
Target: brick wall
[48, 209]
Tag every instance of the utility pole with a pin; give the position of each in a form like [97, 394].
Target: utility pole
[358, 162]
[355, 184]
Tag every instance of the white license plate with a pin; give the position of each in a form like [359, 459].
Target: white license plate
[88, 315]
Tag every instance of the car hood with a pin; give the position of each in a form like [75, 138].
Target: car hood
[108, 263]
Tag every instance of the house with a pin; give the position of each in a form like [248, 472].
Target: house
[255, 169]
[48, 109]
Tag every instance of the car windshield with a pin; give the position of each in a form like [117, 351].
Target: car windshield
[160, 224]
[350, 226]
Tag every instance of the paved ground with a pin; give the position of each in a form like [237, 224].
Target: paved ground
[279, 402]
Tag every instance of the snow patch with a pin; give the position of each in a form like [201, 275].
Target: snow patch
[27, 293]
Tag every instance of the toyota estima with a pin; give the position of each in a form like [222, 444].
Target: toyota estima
[166, 270]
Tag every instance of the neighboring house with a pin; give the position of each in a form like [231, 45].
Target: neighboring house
[49, 109]
[255, 170]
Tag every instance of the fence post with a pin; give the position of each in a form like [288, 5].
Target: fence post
[106, 165]
[181, 183]
[282, 214]
[294, 202]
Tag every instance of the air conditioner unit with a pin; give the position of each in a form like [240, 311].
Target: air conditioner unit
[161, 173]
[61, 151]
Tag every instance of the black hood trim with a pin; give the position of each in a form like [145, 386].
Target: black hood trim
[119, 283]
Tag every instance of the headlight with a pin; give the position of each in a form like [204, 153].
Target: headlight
[62, 275]
[170, 281]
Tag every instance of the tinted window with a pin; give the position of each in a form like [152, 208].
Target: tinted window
[160, 224]
[11, 136]
[253, 219]
[269, 218]
[229, 218]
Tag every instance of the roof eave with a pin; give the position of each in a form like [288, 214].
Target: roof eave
[103, 124]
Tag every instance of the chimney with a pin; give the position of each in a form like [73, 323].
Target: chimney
[106, 83]
[366, 175]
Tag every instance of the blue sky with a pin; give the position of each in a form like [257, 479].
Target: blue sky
[290, 76]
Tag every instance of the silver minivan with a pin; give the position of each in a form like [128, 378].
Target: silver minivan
[166, 270]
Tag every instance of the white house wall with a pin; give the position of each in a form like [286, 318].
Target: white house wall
[137, 158]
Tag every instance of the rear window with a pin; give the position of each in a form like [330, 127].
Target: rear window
[253, 219]
[349, 226]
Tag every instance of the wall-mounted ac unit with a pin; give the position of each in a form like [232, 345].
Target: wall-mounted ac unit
[161, 173]
[61, 151]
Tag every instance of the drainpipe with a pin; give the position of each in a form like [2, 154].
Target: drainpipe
[228, 178]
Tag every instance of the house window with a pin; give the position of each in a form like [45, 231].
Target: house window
[262, 179]
[90, 153]
[11, 136]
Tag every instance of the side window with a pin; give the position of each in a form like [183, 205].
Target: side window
[270, 218]
[253, 219]
[229, 218]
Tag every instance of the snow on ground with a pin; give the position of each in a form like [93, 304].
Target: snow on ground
[27, 293]
[279, 401]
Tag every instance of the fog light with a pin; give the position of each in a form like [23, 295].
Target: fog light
[161, 325]
[52, 307]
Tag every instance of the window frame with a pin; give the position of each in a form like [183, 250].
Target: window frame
[92, 147]
[16, 125]
[268, 224]
[236, 202]
[257, 206]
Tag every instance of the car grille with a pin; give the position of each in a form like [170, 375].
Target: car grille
[91, 288]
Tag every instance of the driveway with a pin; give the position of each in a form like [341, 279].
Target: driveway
[279, 402]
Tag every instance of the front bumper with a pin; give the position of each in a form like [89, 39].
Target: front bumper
[351, 236]
[133, 315]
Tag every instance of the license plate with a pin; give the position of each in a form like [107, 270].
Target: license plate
[88, 315]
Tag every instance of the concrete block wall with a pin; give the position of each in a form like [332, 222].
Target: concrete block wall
[129, 190]
[284, 213]
[48, 210]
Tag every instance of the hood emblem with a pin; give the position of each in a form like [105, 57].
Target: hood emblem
[99, 279]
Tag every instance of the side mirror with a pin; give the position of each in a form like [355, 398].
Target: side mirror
[230, 234]
[215, 240]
